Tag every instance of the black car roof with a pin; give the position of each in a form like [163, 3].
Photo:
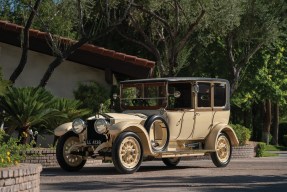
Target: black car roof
[174, 79]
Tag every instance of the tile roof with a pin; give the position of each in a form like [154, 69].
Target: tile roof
[7, 26]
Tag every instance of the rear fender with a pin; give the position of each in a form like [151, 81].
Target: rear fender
[210, 141]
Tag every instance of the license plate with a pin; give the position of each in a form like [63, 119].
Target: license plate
[94, 142]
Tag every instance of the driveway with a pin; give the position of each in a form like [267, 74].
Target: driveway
[256, 174]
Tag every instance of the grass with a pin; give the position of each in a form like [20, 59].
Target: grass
[268, 148]
[268, 154]
[275, 148]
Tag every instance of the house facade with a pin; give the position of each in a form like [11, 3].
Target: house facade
[88, 63]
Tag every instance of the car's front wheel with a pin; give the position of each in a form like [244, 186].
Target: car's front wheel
[66, 160]
[223, 150]
[127, 153]
[171, 162]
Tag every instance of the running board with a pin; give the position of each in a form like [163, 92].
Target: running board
[168, 154]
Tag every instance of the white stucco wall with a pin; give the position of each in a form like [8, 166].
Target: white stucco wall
[62, 82]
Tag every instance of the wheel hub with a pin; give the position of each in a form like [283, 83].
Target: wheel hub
[130, 152]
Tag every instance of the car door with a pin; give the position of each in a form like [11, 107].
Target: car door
[181, 113]
[203, 115]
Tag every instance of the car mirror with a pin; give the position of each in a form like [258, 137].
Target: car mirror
[176, 94]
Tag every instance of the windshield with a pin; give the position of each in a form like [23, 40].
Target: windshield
[143, 95]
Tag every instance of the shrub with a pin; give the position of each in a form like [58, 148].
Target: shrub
[92, 95]
[3, 84]
[260, 149]
[10, 152]
[27, 107]
[243, 133]
[70, 108]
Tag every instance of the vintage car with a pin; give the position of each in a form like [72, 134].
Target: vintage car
[161, 118]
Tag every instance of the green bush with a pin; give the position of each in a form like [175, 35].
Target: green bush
[71, 108]
[243, 133]
[92, 95]
[26, 108]
[260, 149]
[3, 84]
[10, 152]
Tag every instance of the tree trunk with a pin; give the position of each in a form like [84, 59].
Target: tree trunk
[24, 135]
[50, 70]
[267, 122]
[58, 60]
[276, 125]
[25, 46]
[255, 127]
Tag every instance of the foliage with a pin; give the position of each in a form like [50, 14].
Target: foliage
[92, 95]
[27, 107]
[3, 84]
[58, 17]
[169, 30]
[243, 134]
[260, 149]
[275, 148]
[10, 152]
[68, 107]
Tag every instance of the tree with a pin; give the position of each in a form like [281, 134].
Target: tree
[166, 28]
[260, 25]
[97, 24]
[25, 43]
[264, 84]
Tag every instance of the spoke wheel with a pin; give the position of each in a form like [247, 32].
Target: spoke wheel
[223, 150]
[127, 153]
[67, 161]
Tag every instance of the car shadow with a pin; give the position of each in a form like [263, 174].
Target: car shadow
[109, 169]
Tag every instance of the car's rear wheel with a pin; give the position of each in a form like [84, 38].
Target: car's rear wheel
[171, 162]
[223, 150]
[66, 160]
[127, 153]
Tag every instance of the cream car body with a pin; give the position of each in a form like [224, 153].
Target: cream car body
[165, 118]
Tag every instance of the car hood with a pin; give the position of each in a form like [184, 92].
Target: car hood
[119, 117]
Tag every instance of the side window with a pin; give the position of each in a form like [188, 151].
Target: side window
[219, 94]
[184, 99]
[204, 95]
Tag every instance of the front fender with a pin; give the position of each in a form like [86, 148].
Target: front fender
[137, 128]
[210, 141]
[62, 129]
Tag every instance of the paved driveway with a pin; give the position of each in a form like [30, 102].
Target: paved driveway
[257, 174]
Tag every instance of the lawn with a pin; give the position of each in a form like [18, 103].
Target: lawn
[269, 148]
